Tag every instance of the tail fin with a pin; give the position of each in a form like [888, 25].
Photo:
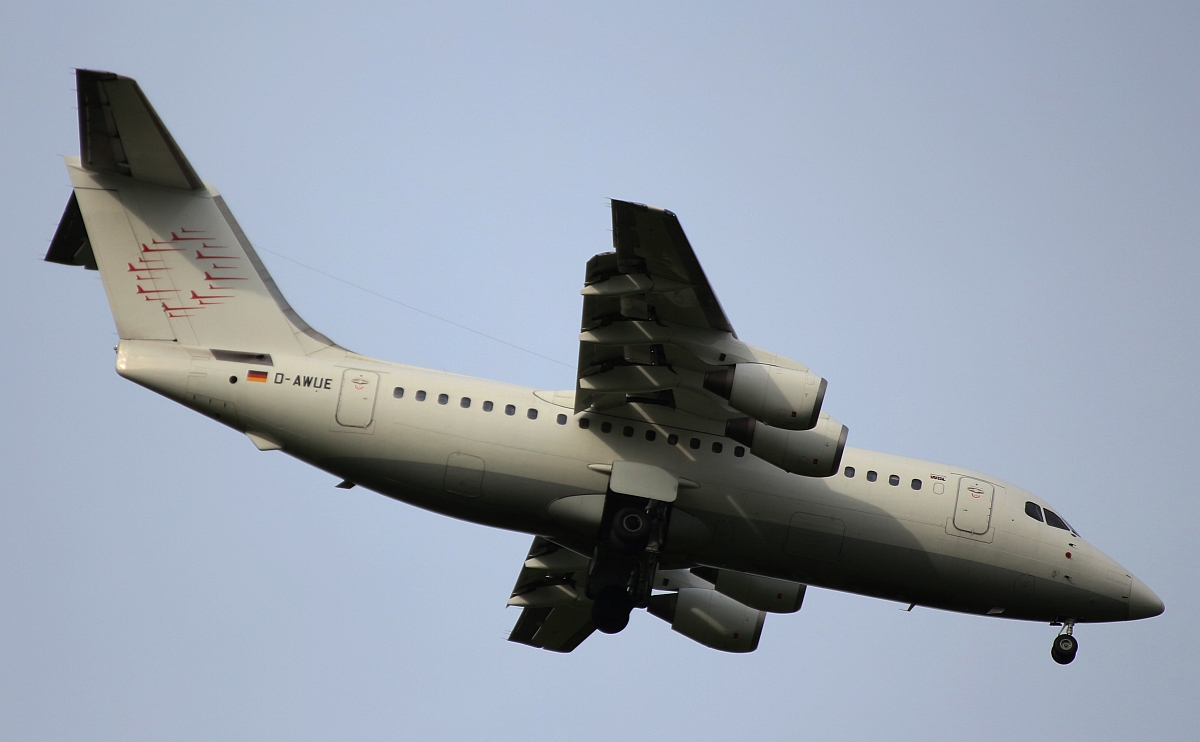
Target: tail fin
[174, 262]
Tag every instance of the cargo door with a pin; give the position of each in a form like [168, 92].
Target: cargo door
[356, 401]
[973, 511]
[815, 537]
[464, 475]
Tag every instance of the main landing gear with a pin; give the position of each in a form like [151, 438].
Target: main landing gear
[622, 567]
[1065, 645]
[611, 609]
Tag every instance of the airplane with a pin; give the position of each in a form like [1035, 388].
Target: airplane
[687, 473]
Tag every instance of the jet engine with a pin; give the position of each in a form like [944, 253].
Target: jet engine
[781, 397]
[763, 593]
[811, 453]
[710, 618]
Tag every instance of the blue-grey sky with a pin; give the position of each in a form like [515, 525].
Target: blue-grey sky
[978, 221]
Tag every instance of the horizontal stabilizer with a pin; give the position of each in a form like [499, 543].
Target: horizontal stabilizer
[71, 244]
[120, 133]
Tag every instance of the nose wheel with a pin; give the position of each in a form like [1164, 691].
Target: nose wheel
[1065, 645]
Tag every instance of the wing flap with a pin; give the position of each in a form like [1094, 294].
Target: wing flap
[555, 614]
[652, 325]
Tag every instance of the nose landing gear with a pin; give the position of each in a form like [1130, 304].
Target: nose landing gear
[1065, 645]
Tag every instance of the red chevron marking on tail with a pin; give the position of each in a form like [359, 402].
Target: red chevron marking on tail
[178, 309]
[209, 277]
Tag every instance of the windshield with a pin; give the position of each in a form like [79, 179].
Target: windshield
[1053, 520]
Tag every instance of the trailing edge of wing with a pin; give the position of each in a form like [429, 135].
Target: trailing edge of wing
[555, 613]
[120, 133]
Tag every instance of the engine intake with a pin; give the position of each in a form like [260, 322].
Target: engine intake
[811, 453]
[780, 397]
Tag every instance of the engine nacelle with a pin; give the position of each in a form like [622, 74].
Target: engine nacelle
[762, 593]
[811, 453]
[708, 617]
[777, 396]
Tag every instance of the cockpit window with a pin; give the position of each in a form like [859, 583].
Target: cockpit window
[1053, 520]
[1033, 510]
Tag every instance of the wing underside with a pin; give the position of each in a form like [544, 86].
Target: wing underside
[652, 325]
[555, 613]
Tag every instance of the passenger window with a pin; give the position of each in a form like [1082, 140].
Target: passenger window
[651, 435]
[398, 392]
[872, 476]
[628, 431]
[510, 409]
[894, 480]
[531, 414]
[487, 406]
[849, 472]
[739, 451]
[443, 398]
[717, 447]
[465, 402]
[585, 423]
[694, 443]
[1052, 519]
[605, 427]
[916, 484]
[421, 396]
[1033, 510]
[561, 420]
[672, 439]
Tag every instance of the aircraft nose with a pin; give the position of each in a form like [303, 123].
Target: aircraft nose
[1143, 603]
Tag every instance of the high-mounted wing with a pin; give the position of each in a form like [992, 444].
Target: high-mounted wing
[555, 615]
[652, 326]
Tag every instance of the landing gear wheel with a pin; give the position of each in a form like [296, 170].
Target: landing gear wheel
[1064, 649]
[610, 611]
[631, 529]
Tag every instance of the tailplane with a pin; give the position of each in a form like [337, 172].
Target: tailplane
[174, 262]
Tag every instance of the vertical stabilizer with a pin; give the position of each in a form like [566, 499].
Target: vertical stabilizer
[174, 262]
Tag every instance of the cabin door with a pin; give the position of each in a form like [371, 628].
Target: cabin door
[973, 511]
[356, 401]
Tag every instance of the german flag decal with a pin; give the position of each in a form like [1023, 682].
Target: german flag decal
[256, 376]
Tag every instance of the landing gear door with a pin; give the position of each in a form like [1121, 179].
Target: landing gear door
[356, 401]
[973, 510]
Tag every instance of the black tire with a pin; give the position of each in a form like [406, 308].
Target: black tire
[631, 529]
[1064, 649]
[611, 609]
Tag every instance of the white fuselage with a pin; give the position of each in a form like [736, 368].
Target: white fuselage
[477, 462]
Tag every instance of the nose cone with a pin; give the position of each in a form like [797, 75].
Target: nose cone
[1143, 603]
